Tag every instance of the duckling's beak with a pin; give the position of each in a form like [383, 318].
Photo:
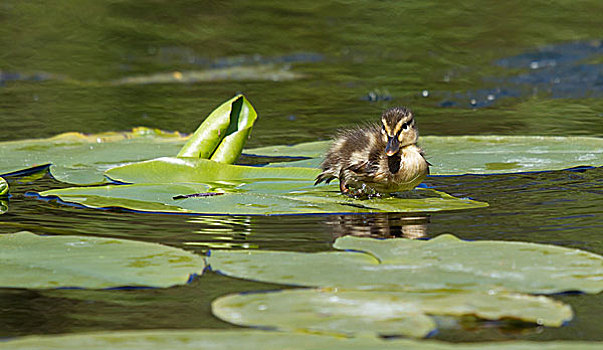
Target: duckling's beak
[393, 146]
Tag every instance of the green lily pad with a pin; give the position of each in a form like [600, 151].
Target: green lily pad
[31, 261]
[260, 197]
[457, 155]
[307, 149]
[81, 159]
[444, 262]
[256, 339]
[192, 170]
[349, 312]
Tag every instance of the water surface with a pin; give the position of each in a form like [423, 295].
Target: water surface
[464, 67]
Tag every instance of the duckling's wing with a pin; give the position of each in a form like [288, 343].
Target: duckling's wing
[358, 168]
[422, 153]
[324, 177]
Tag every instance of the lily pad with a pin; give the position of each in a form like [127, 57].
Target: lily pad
[349, 312]
[260, 197]
[444, 262]
[32, 261]
[81, 159]
[306, 149]
[256, 339]
[457, 155]
[192, 170]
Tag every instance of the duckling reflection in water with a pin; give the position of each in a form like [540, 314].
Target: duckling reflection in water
[377, 158]
[380, 225]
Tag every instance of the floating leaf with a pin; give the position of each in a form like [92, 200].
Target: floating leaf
[223, 133]
[260, 340]
[306, 149]
[82, 159]
[444, 262]
[31, 261]
[349, 312]
[186, 185]
[186, 170]
[259, 197]
[456, 155]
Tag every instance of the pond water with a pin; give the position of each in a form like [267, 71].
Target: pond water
[464, 67]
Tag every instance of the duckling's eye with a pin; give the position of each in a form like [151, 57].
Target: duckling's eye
[405, 126]
[383, 129]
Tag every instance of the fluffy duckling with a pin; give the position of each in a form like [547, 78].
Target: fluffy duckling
[375, 159]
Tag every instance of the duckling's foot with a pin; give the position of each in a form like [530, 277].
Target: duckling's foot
[364, 192]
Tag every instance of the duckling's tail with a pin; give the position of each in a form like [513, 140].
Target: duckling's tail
[324, 177]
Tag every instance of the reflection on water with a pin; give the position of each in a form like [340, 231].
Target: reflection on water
[382, 225]
[221, 232]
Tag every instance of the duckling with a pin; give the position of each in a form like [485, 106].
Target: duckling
[376, 159]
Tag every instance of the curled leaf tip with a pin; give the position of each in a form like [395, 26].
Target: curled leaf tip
[223, 133]
[3, 187]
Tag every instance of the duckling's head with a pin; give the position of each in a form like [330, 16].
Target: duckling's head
[398, 129]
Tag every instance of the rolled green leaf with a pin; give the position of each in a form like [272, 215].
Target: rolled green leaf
[3, 187]
[223, 133]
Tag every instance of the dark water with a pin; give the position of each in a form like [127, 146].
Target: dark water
[470, 67]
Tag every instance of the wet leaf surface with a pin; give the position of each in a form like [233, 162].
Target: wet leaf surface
[40, 262]
[257, 197]
[352, 312]
[444, 262]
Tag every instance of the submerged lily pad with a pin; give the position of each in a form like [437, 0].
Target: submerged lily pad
[269, 72]
[457, 155]
[32, 261]
[350, 312]
[444, 262]
[256, 339]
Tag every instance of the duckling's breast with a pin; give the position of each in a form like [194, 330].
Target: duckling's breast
[408, 173]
